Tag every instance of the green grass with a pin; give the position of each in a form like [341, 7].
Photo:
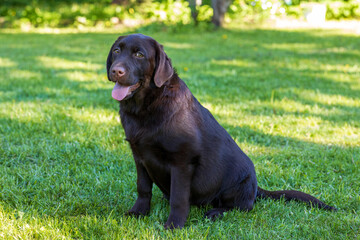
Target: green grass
[290, 99]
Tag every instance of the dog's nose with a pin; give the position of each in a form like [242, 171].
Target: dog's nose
[118, 71]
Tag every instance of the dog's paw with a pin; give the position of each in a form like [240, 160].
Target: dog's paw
[173, 223]
[215, 213]
[138, 210]
[136, 213]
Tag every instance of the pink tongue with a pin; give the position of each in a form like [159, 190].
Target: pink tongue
[119, 92]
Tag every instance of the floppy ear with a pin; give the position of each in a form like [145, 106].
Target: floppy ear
[163, 68]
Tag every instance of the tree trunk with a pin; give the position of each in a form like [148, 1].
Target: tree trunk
[193, 4]
[220, 7]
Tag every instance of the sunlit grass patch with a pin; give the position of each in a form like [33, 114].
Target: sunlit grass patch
[23, 75]
[59, 63]
[234, 62]
[16, 223]
[178, 45]
[6, 62]
[330, 99]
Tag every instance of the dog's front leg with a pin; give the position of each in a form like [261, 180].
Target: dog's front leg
[179, 196]
[144, 189]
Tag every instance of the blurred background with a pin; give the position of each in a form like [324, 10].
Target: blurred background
[28, 14]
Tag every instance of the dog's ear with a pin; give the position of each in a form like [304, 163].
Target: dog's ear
[109, 58]
[163, 67]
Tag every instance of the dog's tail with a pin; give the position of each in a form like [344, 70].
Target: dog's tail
[293, 195]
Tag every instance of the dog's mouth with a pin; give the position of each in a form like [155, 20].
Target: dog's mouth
[121, 92]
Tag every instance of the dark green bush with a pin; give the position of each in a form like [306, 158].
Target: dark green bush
[64, 13]
[13, 3]
[61, 15]
[343, 10]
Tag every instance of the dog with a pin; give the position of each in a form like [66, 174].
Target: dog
[176, 142]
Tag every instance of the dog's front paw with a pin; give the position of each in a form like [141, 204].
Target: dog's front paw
[137, 213]
[173, 223]
[139, 209]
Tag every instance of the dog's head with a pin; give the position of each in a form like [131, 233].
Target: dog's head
[134, 62]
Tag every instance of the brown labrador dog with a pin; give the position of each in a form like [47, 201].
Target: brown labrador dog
[176, 142]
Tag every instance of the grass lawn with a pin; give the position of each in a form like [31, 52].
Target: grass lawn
[289, 98]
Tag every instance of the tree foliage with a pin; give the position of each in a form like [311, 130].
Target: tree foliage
[106, 13]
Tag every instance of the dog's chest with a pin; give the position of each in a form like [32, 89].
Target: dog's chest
[156, 159]
[154, 147]
[158, 142]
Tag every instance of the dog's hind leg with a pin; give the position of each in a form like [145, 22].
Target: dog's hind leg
[241, 197]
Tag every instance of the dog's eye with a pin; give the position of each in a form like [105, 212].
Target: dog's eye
[139, 55]
[116, 50]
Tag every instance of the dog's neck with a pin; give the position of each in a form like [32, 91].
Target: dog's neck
[151, 99]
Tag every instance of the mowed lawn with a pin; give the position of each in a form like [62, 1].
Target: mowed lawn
[289, 98]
